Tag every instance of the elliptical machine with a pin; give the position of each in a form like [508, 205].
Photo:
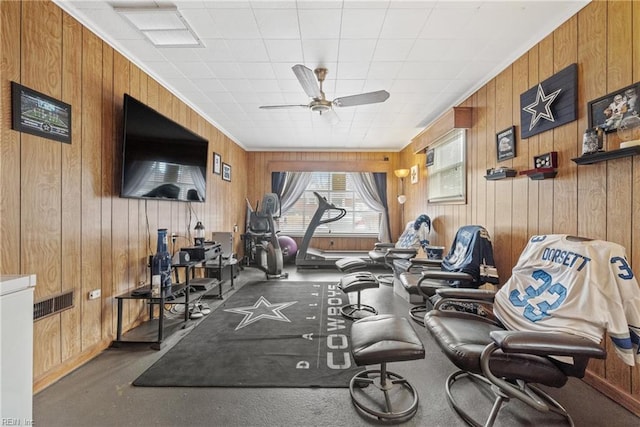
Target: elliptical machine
[262, 237]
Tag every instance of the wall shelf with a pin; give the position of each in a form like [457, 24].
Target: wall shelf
[510, 173]
[603, 156]
[540, 173]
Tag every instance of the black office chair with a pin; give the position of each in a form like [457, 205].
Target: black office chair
[544, 327]
[469, 264]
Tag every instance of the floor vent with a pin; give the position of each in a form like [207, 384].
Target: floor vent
[52, 305]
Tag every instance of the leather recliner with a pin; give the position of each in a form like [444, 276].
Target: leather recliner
[546, 322]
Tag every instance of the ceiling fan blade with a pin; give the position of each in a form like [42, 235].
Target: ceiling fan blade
[361, 99]
[307, 80]
[282, 107]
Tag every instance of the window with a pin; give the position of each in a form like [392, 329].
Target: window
[337, 188]
[447, 173]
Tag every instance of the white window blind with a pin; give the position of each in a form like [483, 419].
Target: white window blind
[338, 189]
[447, 175]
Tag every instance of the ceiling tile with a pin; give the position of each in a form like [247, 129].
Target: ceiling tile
[209, 85]
[320, 4]
[353, 70]
[200, 22]
[237, 85]
[235, 23]
[195, 70]
[273, 4]
[257, 70]
[392, 50]
[362, 23]
[224, 70]
[351, 50]
[215, 50]
[277, 23]
[384, 70]
[319, 24]
[289, 51]
[404, 23]
[439, 22]
[252, 50]
[320, 51]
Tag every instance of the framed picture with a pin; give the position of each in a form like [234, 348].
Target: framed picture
[414, 174]
[38, 114]
[608, 111]
[506, 144]
[217, 164]
[226, 172]
[430, 156]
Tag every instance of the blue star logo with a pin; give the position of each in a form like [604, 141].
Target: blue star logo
[541, 109]
[262, 309]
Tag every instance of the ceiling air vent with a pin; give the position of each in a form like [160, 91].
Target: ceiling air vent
[52, 305]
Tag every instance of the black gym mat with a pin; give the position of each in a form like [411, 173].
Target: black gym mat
[268, 334]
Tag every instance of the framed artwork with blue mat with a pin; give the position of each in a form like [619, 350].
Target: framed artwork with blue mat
[267, 334]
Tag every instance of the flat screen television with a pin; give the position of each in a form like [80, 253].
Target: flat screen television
[160, 158]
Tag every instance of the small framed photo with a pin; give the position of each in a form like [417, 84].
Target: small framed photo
[414, 174]
[506, 144]
[608, 111]
[217, 164]
[430, 156]
[38, 114]
[226, 172]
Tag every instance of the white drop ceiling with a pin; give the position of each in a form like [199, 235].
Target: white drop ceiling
[429, 55]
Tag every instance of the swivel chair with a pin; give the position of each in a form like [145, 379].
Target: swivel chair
[409, 243]
[469, 264]
[545, 328]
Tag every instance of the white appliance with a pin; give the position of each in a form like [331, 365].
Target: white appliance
[16, 349]
[225, 238]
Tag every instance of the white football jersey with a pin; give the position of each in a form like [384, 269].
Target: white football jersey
[582, 287]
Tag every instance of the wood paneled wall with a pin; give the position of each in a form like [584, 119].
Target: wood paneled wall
[61, 217]
[598, 201]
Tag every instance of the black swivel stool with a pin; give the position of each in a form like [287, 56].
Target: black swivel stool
[379, 340]
[350, 264]
[357, 282]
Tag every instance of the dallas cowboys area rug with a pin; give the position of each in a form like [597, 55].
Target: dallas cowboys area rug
[268, 334]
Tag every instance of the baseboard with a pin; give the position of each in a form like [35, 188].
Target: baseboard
[69, 366]
[626, 400]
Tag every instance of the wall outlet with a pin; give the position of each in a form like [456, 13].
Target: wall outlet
[95, 294]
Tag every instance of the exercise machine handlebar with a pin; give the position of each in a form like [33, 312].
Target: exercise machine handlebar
[325, 206]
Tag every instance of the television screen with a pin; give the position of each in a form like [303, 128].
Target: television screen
[160, 158]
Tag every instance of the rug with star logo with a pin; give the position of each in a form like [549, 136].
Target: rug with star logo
[267, 334]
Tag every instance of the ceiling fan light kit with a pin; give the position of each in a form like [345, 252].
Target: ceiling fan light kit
[320, 105]
[311, 82]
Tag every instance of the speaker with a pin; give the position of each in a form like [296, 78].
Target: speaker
[181, 257]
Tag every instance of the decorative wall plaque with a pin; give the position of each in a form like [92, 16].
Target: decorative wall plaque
[551, 103]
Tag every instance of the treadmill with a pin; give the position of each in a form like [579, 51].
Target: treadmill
[308, 257]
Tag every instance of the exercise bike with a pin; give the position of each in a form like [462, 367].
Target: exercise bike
[261, 237]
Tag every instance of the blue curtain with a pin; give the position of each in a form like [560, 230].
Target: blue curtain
[277, 182]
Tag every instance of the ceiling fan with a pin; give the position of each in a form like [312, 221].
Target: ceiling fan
[319, 101]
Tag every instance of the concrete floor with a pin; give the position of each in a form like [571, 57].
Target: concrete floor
[100, 393]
